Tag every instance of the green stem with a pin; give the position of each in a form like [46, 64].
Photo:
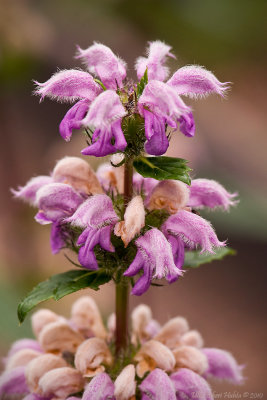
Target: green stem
[122, 290]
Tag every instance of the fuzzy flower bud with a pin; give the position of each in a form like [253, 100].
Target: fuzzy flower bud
[21, 358]
[192, 338]
[39, 366]
[86, 317]
[59, 383]
[141, 316]
[58, 337]
[125, 383]
[154, 354]
[169, 195]
[41, 318]
[134, 221]
[190, 357]
[77, 173]
[90, 356]
[171, 333]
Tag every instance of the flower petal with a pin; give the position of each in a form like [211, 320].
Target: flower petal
[171, 333]
[13, 382]
[157, 386]
[69, 85]
[61, 382]
[73, 119]
[187, 124]
[157, 143]
[222, 365]
[195, 81]
[101, 61]
[28, 192]
[169, 195]
[101, 387]
[24, 344]
[209, 193]
[190, 385]
[125, 384]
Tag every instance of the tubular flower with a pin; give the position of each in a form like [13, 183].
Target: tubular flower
[63, 361]
[98, 218]
[154, 256]
[103, 102]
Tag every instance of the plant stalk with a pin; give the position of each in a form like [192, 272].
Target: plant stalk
[122, 290]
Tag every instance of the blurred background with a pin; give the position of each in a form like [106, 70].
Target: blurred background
[224, 300]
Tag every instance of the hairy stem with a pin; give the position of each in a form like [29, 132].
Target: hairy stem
[122, 290]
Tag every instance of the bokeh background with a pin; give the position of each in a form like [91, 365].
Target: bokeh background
[224, 300]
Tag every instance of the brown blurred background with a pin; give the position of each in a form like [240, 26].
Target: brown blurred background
[224, 300]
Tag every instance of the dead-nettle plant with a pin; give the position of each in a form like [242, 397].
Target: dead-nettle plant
[134, 221]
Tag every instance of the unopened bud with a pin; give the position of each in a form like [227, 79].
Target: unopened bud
[78, 173]
[141, 316]
[190, 357]
[58, 337]
[111, 324]
[41, 318]
[125, 384]
[59, 383]
[90, 356]
[192, 338]
[169, 195]
[171, 333]
[21, 358]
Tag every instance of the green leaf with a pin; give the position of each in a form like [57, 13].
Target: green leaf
[194, 259]
[141, 85]
[58, 286]
[163, 168]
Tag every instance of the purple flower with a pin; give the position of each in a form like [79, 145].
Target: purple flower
[98, 218]
[13, 382]
[187, 124]
[157, 142]
[154, 256]
[154, 63]
[222, 365]
[209, 193]
[195, 81]
[193, 230]
[28, 192]
[101, 387]
[157, 386]
[73, 119]
[105, 116]
[102, 62]
[189, 385]
[145, 185]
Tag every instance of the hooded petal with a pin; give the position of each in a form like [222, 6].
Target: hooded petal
[41, 318]
[58, 337]
[190, 385]
[73, 119]
[13, 382]
[193, 230]
[209, 193]
[69, 85]
[171, 333]
[195, 81]
[21, 358]
[144, 185]
[101, 387]
[141, 316]
[187, 124]
[24, 344]
[169, 195]
[190, 357]
[56, 201]
[157, 53]
[125, 384]
[101, 61]
[157, 141]
[61, 382]
[157, 386]
[28, 192]
[222, 365]
[57, 241]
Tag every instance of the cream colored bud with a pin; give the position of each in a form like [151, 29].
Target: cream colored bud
[192, 338]
[86, 317]
[58, 337]
[61, 382]
[21, 358]
[134, 220]
[112, 177]
[171, 333]
[190, 357]
[111, 324]
[125, 384]
[90, 356]
[169, 195]
[41, 318]
[141, 316]
[39, 366]
[154, 354]
[78, 173]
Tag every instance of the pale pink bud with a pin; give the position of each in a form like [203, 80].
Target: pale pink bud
[154, 354]
[111, 177]
[125, 384]
[169, 195]
[141, 316]
[61, 382]
[111, 324]
[134, 221]
[58, 337]
[41, 318]
[86, 317]
[90, 356]
[21, 358]
[190, 357]
[192, 338]
[39, 366]
[171, 333]
[78, 173]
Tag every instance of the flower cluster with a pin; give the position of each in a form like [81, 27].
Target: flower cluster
[105, 102]
[160, 222]
[74, 357]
